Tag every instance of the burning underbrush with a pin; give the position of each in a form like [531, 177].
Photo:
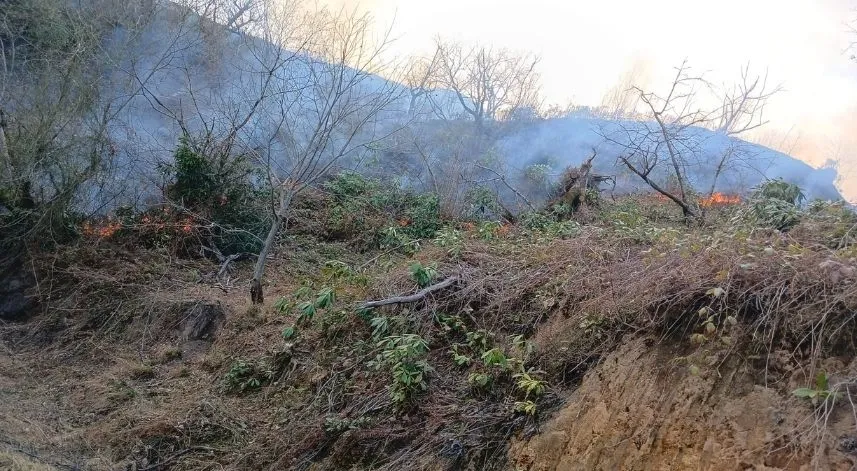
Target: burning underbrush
[416, 352]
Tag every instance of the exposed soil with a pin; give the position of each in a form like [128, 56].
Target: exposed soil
[642, 410]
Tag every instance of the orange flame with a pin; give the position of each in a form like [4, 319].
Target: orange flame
[101, 231]
[720, 199]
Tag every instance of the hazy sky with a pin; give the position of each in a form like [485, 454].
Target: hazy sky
[586, 45]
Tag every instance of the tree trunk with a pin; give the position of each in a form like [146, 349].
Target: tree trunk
[256, 293]
[5, 160]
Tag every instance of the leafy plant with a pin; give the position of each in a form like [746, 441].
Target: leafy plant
[423, 275]
[380, 326]
[335, 424]
[282, 305]
[289, 332]
[487, 230]
[325, 298]
[781, 190]
[459, 358]
[450, 323]
[479, 340]
[404, 355]
[821, 390]
[479, 380]
[526, 407]
[495, 357]
[451, 239]
[528, 384]
[246, 376]
[307, 310]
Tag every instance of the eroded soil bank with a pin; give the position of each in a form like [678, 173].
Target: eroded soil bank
[643, 409]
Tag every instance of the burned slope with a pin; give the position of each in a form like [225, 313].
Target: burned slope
[519, 328]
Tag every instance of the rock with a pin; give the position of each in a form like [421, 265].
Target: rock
[201, 320]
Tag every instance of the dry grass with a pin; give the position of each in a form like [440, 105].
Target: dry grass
[115, 313]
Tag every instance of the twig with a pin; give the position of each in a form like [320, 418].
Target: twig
[413, 297]
[508, 185]
[368, 262]
[176, 456]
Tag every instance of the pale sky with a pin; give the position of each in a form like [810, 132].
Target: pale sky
[586, 45]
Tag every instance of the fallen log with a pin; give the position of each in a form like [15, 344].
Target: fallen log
[412, 298]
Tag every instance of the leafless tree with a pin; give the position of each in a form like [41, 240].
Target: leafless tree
[489, 83]
[421, 79]
[335, 114]
[235, 15]
[742, 108]
[663, 144]
[651, 146]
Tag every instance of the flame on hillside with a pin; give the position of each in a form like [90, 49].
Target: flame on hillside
[720, 199]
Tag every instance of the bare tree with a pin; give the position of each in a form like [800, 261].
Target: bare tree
[622, 99]
[664, 144]
[653, 145]
[335, 114]
[742, 108]
[489, 84]
[235, 15]
[421, 78]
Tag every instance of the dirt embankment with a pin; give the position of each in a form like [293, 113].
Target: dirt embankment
[642, 409]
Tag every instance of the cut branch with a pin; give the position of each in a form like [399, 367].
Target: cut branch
[413, 297]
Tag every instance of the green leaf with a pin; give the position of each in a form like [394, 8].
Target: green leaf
[289, 332]
[805, 392]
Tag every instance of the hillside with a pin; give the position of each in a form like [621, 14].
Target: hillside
[225, 251]
[207, 92]
[621, 338]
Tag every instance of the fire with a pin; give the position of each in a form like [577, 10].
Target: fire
[102, 231]
[720, 199]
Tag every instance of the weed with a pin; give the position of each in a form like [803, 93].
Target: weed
[459, 358]
[335, 424]
[495, 357]
[821, 391]
[480, 381]
[289, 332]
[526, 407]
[488, 230]
[528, 384]
[450, 324]
[451, 239]
[404, 355]
[480, 340]
[246, 376]
[423, 275]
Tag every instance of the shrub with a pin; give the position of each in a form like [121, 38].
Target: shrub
[246, 376]
[404, 355]
[224, 203]
[781, 190]
[366, 206]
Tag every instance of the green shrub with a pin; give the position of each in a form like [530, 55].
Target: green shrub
[396, 216]
[423, 275]
[219, 197]
[404, 355]
[781, 190]
[247, 376]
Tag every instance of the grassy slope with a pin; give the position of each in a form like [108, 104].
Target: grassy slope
[116, 383]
